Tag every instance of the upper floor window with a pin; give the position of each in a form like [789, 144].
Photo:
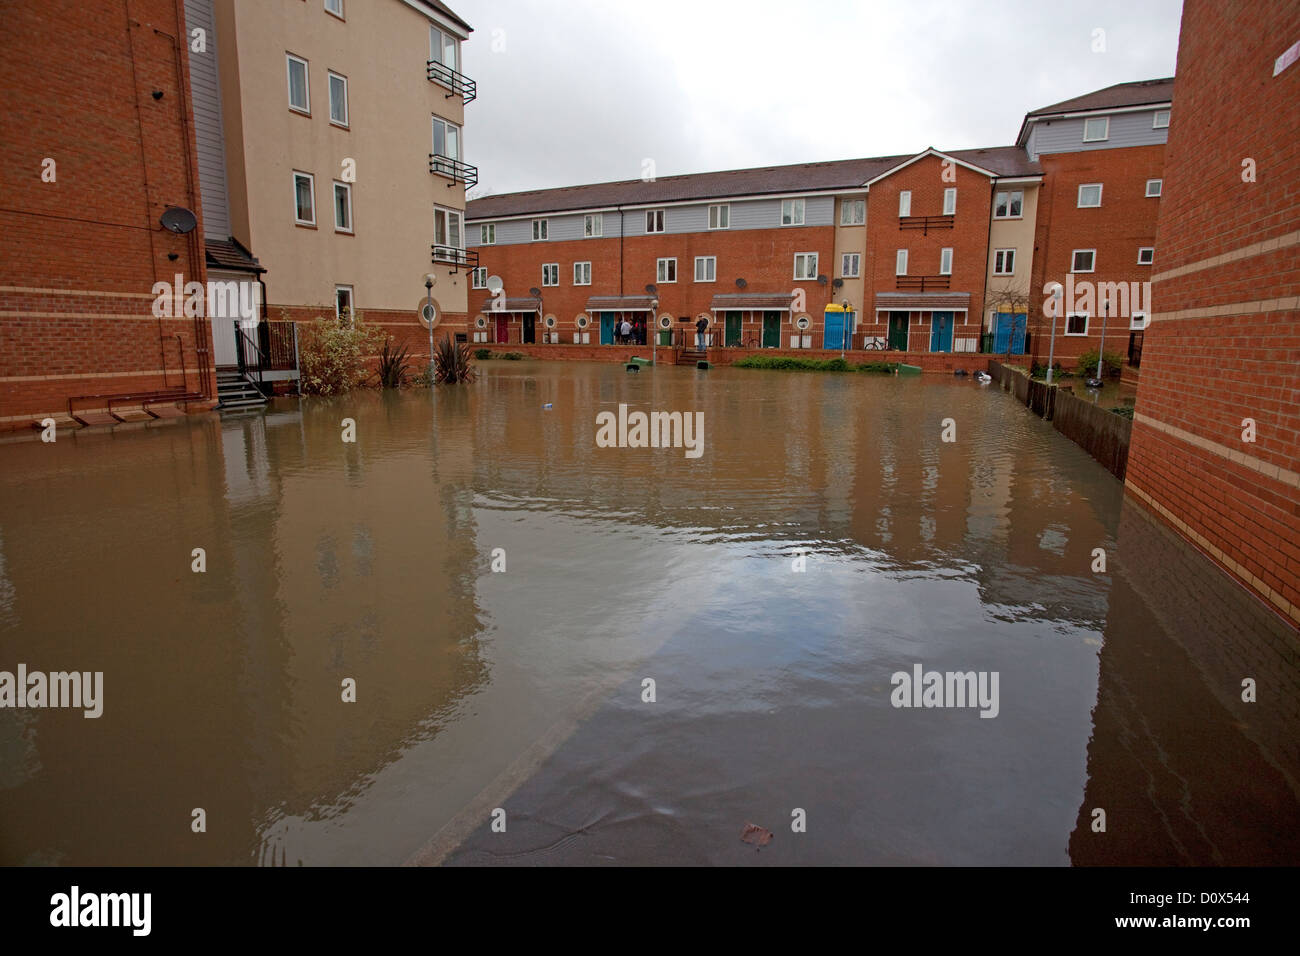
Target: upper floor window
[1096, 129]
[487, 234]
[304, 199]
[444, 48]
[338, 99]
[950, 201]
[654, 220]
[1004, 262]
[805, 266]
[335, 7]
[342, 207]
[593, 226]
[853, 212]
[1008, 205]
[1085, 260]
[446, 139]
[478, 278]
[447, 228]
[792, 211]
[1161, 120]
[720, 217]
[541, 229]
[1146, 255]
[706, 268]
[1153, 188]
[900, 263]
[945, 262]
[666, 270]
[850, 265]
[904, 203]
[582, 273]
[550, 273]
[1089, 195]
[299, 87]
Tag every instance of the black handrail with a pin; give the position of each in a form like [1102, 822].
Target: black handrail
[926, 223]
[451, 255]
[459, 84]
[922, 283]
[248, 363]
[453, 169]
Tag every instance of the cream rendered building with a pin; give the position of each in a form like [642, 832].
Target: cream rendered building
[1008, 294]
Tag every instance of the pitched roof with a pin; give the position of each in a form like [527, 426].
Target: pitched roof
[766, 180]
[229, 254]
[447, 12]
[1138, 93]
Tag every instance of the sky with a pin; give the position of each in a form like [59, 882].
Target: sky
[591, 91]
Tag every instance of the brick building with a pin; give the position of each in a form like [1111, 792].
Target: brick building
[1216, 437]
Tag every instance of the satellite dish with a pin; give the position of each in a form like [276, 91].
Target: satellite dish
[651, 289]
[535, 292]
[178, 219]
[837, 283]
[494, 284]
[821, 280]
[741, 283]
[429, 313]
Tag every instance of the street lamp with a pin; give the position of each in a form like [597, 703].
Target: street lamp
[1101, 351]
[428, 312]
[1056, 310]
[844, 337]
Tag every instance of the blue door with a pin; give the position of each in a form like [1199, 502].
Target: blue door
[940, 331]
[607, 328]
[834, 330]
[1009, 333]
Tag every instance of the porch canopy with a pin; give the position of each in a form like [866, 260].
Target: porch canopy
[620, 303]
[752, 302]
[923, 301]
[512, 305]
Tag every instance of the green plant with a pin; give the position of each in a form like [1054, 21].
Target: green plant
[451, 364]
[886, 367]
[1088, 363]
[482, 354]
[333, 353]
[786, 362]
[425, 379]
[513, 356]
[1040, 371]
[394, 363]
[1124, 411]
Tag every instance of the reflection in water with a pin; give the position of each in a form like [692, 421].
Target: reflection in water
[370, 561]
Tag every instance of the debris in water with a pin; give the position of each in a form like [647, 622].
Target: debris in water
[547, 405]
[758, 836]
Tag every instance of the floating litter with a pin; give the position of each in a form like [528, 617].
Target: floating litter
[547, 405]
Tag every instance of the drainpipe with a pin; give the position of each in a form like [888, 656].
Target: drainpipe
[988, 253]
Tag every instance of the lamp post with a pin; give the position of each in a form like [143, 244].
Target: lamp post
[1101, 350]
[1051, 347]
[428, 311]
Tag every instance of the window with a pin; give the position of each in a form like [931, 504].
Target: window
[1161, 120]
[904, 203]
[342, 207]
[853, 212]
[478, 278]
[1146, 255]
[900, 263]
[446, 143]
[487, 234]
[706, 268]
[335, 7]
[1004, 262]
[299, 86]
[1076, 323]
[1084, 260]
[343, 302]
[593, 226]
[1096, 129]
[338, 99]
[654, 220]
[582, 273]
[792, 212]
[850, 265]
[1089, 195]
[1008, 205]
[720, 217]
[666, 270]
[444, 48]
[1138, 322]
[805, 265]
[550, 273]
[304, 199]
[446, 231]
[540, 229]
[950, 201]
[945, 262]
[1154, 187]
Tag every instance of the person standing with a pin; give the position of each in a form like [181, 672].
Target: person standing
[700, 328]
[625, 331]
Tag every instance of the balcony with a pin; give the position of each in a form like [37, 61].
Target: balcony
[454, 257]
[926, 223]
[458, 83]
[922, 283]
[454, 170]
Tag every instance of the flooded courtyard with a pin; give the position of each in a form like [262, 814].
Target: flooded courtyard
[500, 590]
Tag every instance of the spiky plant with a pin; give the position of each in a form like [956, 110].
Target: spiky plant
[394, 363]
[451, 363]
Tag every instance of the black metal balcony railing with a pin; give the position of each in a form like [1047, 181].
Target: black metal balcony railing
[926, 223]
[457, 258]
[454, 170]
[922, 283]
[458, 83]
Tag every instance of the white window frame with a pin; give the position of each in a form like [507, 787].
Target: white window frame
[788, 209]
[1160, 188]
[330, 77]
[478, 277]
[447, 127]
[1087, 317]
[1137, 322]
[550, 270]
[656, 221]
[662, 267]
[1155, 119]
[945, 261]
[950, 201]
[1150, 261]
[1074, 259]
[582, 273]
[297, 174]
[541, 230]
[710, 264]
[1105, 132]
[447, 213]
[810, 262]
[900, 262]
[720, 216]
[849, 212]
[904, 203]
[1091, 205]
[334, 195]
[352, 302]
[593, 225]
[487, 234]
[330, 8]
[306, 82]
[438, 55]
[1010, 194]
[1004, 256]
[850, 269]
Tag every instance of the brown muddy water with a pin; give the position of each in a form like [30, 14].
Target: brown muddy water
[524, 689]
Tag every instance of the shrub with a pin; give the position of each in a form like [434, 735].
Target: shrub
[786, 362]
[1088, 363]
[1124, 411]
[1040, 371]
[482, 354]
[513, 356]
[333, 354]
[393, 364]
[887, 367]
[451, 363]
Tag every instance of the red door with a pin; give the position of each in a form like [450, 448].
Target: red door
[503, 329]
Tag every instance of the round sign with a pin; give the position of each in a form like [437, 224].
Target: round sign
[429, 313]
[480, 321]
[582, 320]
[803, 321]
[550, 321]
[665, 321]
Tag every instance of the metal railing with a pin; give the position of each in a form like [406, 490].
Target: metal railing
[925, 223]
[921, 283]
[453, 256]
[458, 83]
[453, 169]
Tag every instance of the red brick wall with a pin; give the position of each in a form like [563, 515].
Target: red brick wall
[78, 90]
[1225, 343]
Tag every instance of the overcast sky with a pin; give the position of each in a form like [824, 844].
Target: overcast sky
[586, 90]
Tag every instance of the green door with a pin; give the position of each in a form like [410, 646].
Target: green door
[771, 330]
[898, 331]
[733, 329]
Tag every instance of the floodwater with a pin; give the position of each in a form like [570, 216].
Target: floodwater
[519, 698]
